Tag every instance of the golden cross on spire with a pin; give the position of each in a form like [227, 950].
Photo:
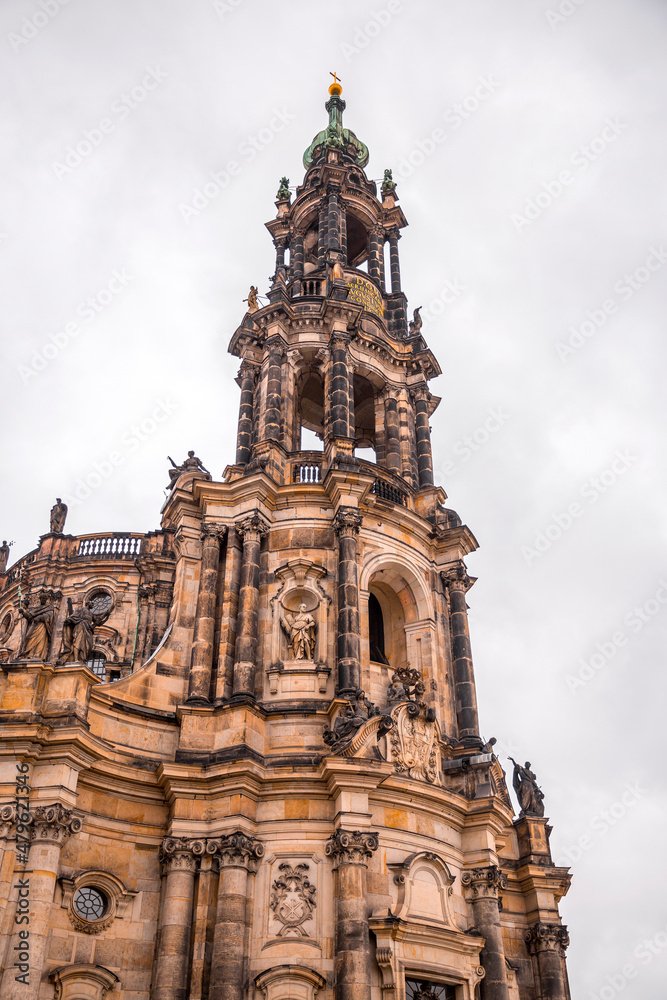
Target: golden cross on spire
[336, 78]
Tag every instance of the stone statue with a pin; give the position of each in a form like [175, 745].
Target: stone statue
[4, 555]
[78, 635]
[528, 792]
[388, 184]
[300, 630]
[406, 685]
[346, 725]
[253, 304]
[58, 515]
[283, 190]
[415, 322]
[191, 464]
[37, 640]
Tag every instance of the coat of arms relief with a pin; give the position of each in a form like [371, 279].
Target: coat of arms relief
[292, 900]
[412, 742]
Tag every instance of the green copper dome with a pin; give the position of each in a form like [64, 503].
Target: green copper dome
[334, 136]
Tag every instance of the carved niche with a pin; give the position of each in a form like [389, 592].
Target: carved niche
[298, 642]
[412, 743]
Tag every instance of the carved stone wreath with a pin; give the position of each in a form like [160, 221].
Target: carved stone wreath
[292, 899]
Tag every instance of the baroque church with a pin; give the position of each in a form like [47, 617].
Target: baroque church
[241, 756]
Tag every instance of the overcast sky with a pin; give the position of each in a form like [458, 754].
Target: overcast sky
[528, 141]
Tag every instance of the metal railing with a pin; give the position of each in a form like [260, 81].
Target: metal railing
[386, 491]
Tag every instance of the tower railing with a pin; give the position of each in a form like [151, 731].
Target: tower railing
[117, 545]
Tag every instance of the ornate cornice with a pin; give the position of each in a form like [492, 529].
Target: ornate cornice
[236, 850]
[180, 854]
[252, 525]
[483, 883]
[456, 578]
[347, 521]
[351, 847]
[547, 937]
[53, 824]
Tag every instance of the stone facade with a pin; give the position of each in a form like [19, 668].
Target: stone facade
[267, 778]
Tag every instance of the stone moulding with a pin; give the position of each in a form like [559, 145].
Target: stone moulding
[289, 982]
[71, 982]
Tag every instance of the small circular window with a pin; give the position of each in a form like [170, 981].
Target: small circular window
[100, 602]
[89, 903]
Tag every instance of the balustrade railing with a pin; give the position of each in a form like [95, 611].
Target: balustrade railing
[386, 491]
[306, 472]
[119, 545]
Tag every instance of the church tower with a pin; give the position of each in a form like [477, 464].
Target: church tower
[241, 754]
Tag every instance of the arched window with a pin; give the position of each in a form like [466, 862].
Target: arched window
[98, 664]
[376, 630]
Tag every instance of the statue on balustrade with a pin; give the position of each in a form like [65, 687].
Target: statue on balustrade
[528, 792]
[300, 630]
[58, 516]
[415, 322]
[4, 555]
[78, 632]
[37, 639]
[191, 464]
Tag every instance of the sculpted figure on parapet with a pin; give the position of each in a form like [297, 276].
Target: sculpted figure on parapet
[4, 555]
[78, 634]
[58, 516]
[528, 792]
[37, 639]
[300, 630]
[346, 725]
[191, 464]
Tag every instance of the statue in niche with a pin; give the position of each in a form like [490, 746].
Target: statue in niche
[4, 555]
[300, 630]
[37, 639]
[528, 792]
[78, 631]
[415, 322]
[191, 464]
[58, 515]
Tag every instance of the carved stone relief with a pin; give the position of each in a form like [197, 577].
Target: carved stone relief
[293, 900]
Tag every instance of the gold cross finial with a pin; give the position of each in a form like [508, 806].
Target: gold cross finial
[336, 78]
[335, 89]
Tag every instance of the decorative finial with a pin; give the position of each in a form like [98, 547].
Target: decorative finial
[335, 90]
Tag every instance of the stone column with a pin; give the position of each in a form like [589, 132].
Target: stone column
[421, 398]
[237, 856]
[392, 438]
[334, 227]
[341, 389]
[296, 254]
[273, 404]
[406, 436]
[346, 525]
[482, 886]
[376, 254]
[280, 245]
[50, 827]
[350, 851]
[322, 233]
[458, 583]
[252, 529]
[246, 378]
[179, 859]
[199, 688]
[547, 942]
[394, 237]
